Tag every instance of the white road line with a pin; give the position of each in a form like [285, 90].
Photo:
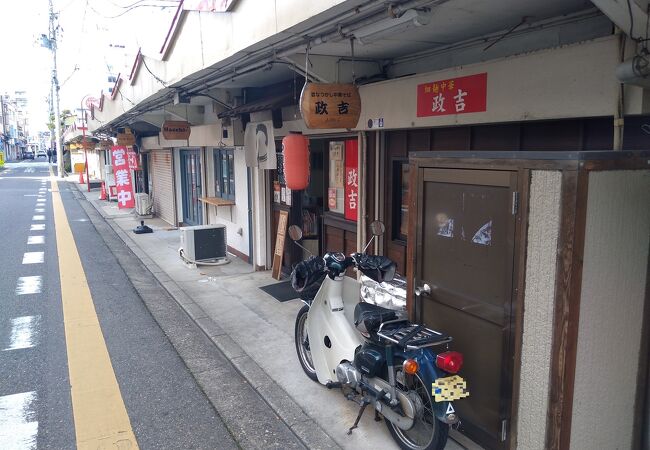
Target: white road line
[38, 217]
[40, 200]
[24, 332]
[18, 424]
[37, 227]
[29, 285]
[33, 257]
[31, 240]
[39, 210]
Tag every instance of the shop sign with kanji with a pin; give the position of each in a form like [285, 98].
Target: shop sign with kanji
[123, 184]
[330, 105]
[453, 96]
[351, 200]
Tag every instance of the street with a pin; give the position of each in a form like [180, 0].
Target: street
[43, 344]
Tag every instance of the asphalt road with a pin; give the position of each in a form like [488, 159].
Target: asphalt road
[166, 407]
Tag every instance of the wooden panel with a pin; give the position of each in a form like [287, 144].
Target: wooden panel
[162, 178]
[598, 134]
[396, 144]
[495, 137]
[334, 239]
[552, 135]
[419, 140]
[573, 215]
[453, 138]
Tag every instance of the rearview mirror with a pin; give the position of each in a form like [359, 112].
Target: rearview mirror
[295, 233]
[377, 228]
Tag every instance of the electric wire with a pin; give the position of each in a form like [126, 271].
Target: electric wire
[129, 10]
[156, 77]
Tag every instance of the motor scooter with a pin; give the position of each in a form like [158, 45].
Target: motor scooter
[374, 355]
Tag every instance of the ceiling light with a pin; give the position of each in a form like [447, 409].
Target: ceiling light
[391, 26]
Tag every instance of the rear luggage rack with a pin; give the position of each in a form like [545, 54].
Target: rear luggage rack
[412, 336]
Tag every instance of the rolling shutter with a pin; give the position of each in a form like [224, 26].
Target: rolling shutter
[163, 185]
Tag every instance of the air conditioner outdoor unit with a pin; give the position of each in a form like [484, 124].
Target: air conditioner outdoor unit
[204, 242]
[142, 204]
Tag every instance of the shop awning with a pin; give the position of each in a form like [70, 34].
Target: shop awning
[276, 101]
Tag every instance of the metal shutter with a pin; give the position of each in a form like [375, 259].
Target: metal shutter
[163, 185]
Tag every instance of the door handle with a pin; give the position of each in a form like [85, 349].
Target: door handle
[424, 289]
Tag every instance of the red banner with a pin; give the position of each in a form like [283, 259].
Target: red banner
[134, 161]
[351, 200]
[119, 156]
[454, 96]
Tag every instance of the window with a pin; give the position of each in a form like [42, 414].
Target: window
[400, 200]
[224, 173]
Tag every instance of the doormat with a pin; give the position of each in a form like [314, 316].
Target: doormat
[282, 291]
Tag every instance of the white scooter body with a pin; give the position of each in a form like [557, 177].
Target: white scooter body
[330, 319]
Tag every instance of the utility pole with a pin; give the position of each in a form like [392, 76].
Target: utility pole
[55, 91]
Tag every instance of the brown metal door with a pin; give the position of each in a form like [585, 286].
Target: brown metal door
[465, 253]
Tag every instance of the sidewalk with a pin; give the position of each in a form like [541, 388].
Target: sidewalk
[254, 330]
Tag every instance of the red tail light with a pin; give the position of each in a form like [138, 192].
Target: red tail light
[450, 361]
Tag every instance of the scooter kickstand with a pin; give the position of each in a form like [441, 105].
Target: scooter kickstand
[356, 422]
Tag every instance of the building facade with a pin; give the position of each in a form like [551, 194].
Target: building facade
[525, 78]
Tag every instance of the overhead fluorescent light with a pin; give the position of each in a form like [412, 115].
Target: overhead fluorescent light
[391, 26]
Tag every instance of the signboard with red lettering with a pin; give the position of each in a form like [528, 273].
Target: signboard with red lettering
[351, 199]
[123, 184]
[453, 96]
[132, 156]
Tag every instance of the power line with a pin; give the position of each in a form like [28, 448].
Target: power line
[129, 10]
[158, 79]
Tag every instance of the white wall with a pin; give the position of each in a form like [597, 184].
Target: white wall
[611, 309]
[539, 297]
[237, 223]
[573, 81]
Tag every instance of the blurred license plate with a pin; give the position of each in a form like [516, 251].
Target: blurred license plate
[448, 389]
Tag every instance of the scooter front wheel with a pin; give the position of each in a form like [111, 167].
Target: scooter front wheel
[302, 344]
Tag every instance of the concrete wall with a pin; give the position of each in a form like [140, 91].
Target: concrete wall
[541, 255]
[234, 217]
[611, 309]
[572, 81]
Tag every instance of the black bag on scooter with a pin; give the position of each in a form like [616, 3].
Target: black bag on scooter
[307, 277]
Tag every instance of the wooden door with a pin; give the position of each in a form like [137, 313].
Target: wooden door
[464, 252]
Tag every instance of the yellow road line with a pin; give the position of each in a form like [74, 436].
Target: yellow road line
[100, 417]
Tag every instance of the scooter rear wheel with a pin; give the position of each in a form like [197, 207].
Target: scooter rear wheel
[428, 433]
[302, 344]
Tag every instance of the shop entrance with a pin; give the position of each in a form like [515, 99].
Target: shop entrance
[191, 187]
[465, 246]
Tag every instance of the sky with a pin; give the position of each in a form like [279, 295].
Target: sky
[92, 35]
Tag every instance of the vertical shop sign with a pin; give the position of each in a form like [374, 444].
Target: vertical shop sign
[351, 180]
[132, 156]
[122, 173]
[454, 96]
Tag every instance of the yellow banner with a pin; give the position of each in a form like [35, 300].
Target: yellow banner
[2, 159]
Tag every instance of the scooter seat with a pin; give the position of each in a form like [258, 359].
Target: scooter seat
[369, 317]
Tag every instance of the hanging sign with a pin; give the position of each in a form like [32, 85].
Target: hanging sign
[453, 96]
[328, 105]
[259, 145]
[133, 158]
[174, 130]
[124, 187]
[351, 200]
[125, 139]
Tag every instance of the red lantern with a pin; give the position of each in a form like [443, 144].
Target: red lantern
[295, 149]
